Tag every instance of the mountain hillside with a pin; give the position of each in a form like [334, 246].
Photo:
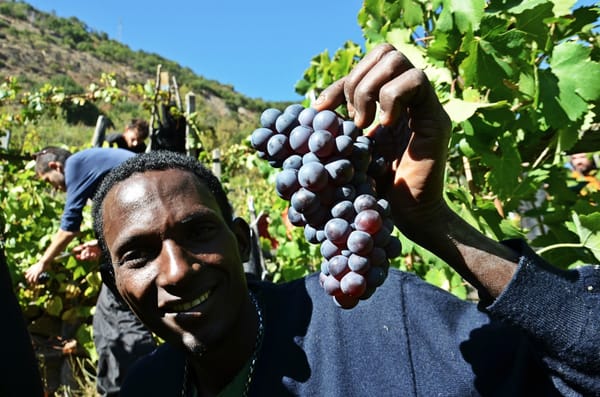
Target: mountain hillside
[39, 47]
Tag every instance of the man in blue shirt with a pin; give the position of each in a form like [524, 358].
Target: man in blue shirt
[79, 175]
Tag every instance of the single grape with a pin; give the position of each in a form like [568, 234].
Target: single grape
[304, 201]
[43, 277]
[285, 123]
[378, 257]
[294, 109]
[346, 192]
[268, 117]
[340, 171]
[286, 183]
[378, 167]
[360, 158]
[382, 237]
[313, 176]
[344, 210]
[321, 235]
[321, 143]
[360, 243]
[310, 234]
[295, 218]
[326, 120]
[329, 250]
[331, 286]
[337, 230]
[358, 263]
[353, 284]
[393, 248]
[294, 162]
[364, 202]
[307, 116]
[376, 276]
[318, 217]
[260, 137]
[383, 206]
[345, 301]
[299, 139]
[338, 266]
[278, 147]
[350, 129]
[324, 267]
[344, 145]
[368, 221]
[310, 157]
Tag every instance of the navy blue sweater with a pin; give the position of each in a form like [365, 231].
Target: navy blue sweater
[541, 337]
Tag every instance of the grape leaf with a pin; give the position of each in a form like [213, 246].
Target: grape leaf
[587, 227]
[467, 13]
[483, 65]
[577, 74]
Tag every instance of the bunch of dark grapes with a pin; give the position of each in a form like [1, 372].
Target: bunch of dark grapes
[328, 173]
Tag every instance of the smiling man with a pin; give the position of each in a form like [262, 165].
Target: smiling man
[176, 255]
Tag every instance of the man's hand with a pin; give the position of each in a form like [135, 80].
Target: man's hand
[88, 251]
[34, 271]
[414, 129]
[416, 136]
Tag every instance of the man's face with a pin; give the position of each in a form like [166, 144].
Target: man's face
[176, 261]
[582, 163]
[54, 177]
[131, 136]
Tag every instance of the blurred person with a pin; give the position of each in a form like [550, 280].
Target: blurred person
[119, 336]
[133, 138]
[584, 170]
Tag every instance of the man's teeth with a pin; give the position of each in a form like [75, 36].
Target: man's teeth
[188, 305]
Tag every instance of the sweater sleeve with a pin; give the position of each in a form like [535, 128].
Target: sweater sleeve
[560, 311]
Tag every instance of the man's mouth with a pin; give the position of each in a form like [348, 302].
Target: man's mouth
[182, 307]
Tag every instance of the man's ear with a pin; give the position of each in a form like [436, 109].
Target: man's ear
[242, 233]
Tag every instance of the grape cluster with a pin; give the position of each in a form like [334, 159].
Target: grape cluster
[328, 170]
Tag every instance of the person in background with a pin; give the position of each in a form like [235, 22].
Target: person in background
[176, 252]
[119, 336]
[584, 169]
[133, 138]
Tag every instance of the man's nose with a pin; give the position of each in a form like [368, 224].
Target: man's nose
[176, 264]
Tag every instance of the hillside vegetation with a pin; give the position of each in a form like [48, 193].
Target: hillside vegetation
[39, 48]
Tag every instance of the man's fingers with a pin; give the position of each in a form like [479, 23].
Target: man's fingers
[331, 97]
[390, 65]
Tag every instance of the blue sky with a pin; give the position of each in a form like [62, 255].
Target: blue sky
[261, 48]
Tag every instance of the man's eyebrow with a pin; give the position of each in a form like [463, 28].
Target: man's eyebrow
[198, 215]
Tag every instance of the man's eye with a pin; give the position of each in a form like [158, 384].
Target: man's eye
[201, 231]
[134, 259]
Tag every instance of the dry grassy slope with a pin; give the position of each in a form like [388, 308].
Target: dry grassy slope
[35, 56]
[29, 54]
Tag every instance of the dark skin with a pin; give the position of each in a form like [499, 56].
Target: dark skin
[159, 208]
[178, 264]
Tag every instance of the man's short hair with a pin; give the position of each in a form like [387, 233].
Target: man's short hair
[47, 155]
[159, 160]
